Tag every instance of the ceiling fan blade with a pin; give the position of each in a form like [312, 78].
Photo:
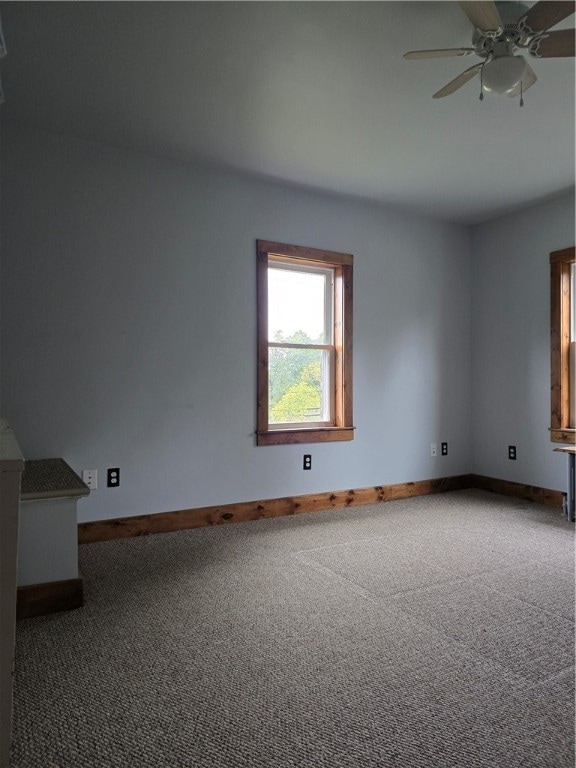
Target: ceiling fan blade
[544, 15]
[554, 45]
[527, 81]
[439, 53]
[458, 82]
[484, 15]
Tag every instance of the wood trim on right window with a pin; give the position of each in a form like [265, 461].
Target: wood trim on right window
[562, 399]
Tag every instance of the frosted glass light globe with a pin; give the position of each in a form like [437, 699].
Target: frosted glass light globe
[502, 74]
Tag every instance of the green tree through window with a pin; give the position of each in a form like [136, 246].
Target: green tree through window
[289, 368]
[301, 399]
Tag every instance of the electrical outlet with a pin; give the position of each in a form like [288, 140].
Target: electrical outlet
[114, 477]
[90, 477]
[433, 450]
[512, 452]
[444, 449]
[307, 464]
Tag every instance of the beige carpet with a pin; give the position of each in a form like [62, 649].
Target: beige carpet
[435, 632]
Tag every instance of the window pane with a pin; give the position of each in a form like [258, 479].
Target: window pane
[297, 306]
[299, 385]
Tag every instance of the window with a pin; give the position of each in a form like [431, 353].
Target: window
[563, 345]
[304, 345]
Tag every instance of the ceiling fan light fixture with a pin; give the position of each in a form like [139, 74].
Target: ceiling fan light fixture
[503, 74]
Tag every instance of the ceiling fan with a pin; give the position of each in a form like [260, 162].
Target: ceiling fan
[502, 32]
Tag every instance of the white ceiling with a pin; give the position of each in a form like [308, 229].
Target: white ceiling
[313, 93]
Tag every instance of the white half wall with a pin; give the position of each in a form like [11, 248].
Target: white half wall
[511, 343]
[129, 328]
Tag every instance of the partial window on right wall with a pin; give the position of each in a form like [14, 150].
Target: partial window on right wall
[563, 345]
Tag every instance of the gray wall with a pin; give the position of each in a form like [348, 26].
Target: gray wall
[129, 328]
[511, 342]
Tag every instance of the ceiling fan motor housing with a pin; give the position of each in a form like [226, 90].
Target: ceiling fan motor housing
[509, 33]
[511, 13]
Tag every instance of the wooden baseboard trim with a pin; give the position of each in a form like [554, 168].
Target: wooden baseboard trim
[184, 519]
[165, 522]
[508, 488]
[54, 596]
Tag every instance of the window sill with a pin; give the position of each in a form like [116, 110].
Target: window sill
[563, 436]
[295, 436]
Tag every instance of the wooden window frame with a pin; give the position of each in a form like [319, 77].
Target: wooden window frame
[560, 265]
[342, 264]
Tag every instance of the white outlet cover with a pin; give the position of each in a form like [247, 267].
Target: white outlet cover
[90, 477]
